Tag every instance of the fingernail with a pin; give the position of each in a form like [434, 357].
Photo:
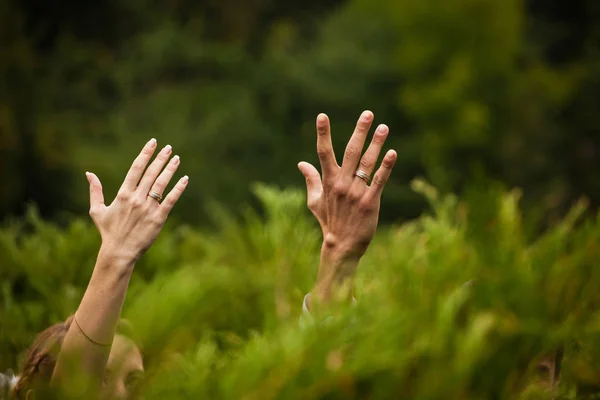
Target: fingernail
[321, 119]
[366, 115]
[152, 142]
[168, 148]
[87, 173]
[175, 159]
[185, 179]
[382, 128]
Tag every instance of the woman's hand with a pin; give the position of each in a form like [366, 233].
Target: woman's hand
[131, 223]
[345, 205]
[128, 226]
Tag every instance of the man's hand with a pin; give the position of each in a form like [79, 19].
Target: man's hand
[131, 223]
[346, 207]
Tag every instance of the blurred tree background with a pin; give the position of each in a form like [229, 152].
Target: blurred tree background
[474, 91]
[471, 89]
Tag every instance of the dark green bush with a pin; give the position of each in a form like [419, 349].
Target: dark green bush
[458, 304]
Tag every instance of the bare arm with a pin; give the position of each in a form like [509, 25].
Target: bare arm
[128, 228]
[345, 205]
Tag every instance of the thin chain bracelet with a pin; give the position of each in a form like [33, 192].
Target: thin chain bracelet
[87, 337]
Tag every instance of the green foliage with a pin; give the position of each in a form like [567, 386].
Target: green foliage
[466, 86]
[470, 89]
[459, 303]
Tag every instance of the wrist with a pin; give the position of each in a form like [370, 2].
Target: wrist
[335, 252]
[337, 269]
[116, 257]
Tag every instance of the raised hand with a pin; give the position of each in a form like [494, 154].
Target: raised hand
[342, 200]
[128, 226]
[131, 223]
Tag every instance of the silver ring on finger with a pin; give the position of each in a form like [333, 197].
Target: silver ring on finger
[363, 175]
[155, 195]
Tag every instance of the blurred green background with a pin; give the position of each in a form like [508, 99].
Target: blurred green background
[471, 89]
[480, 96]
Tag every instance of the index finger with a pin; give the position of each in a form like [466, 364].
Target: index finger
[139, 165]
[324, 146]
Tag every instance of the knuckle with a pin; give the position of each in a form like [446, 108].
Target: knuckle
[379, 138]
[148, 206]
[354, 196]
[351, 151]
[179, 188]
[159, 186]
[379, 179]
[367, 162]
[171, 167]
[137, 166]
[137, 202]
[123, 196]
[365, 120]
[323, 154]
[388, 163]
[339, 189]
[328, 183]
[363, 125]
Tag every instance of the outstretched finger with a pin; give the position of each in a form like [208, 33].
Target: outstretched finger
[169, 202]
[96, 195]
[314, 187]
[368, 160]
[139, 165]
[325, 147]
[382, 175]
[165, 177]
[153, 170]
[356, 144]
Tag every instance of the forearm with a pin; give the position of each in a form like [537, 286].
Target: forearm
[97, 316]
[335, 279]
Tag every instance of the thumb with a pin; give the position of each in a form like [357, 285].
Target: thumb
[96, 196]
[314, 187]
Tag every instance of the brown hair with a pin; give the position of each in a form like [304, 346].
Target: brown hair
[40, 358]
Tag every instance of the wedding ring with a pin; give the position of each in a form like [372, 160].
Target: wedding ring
[155, 196]
[362, 175]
